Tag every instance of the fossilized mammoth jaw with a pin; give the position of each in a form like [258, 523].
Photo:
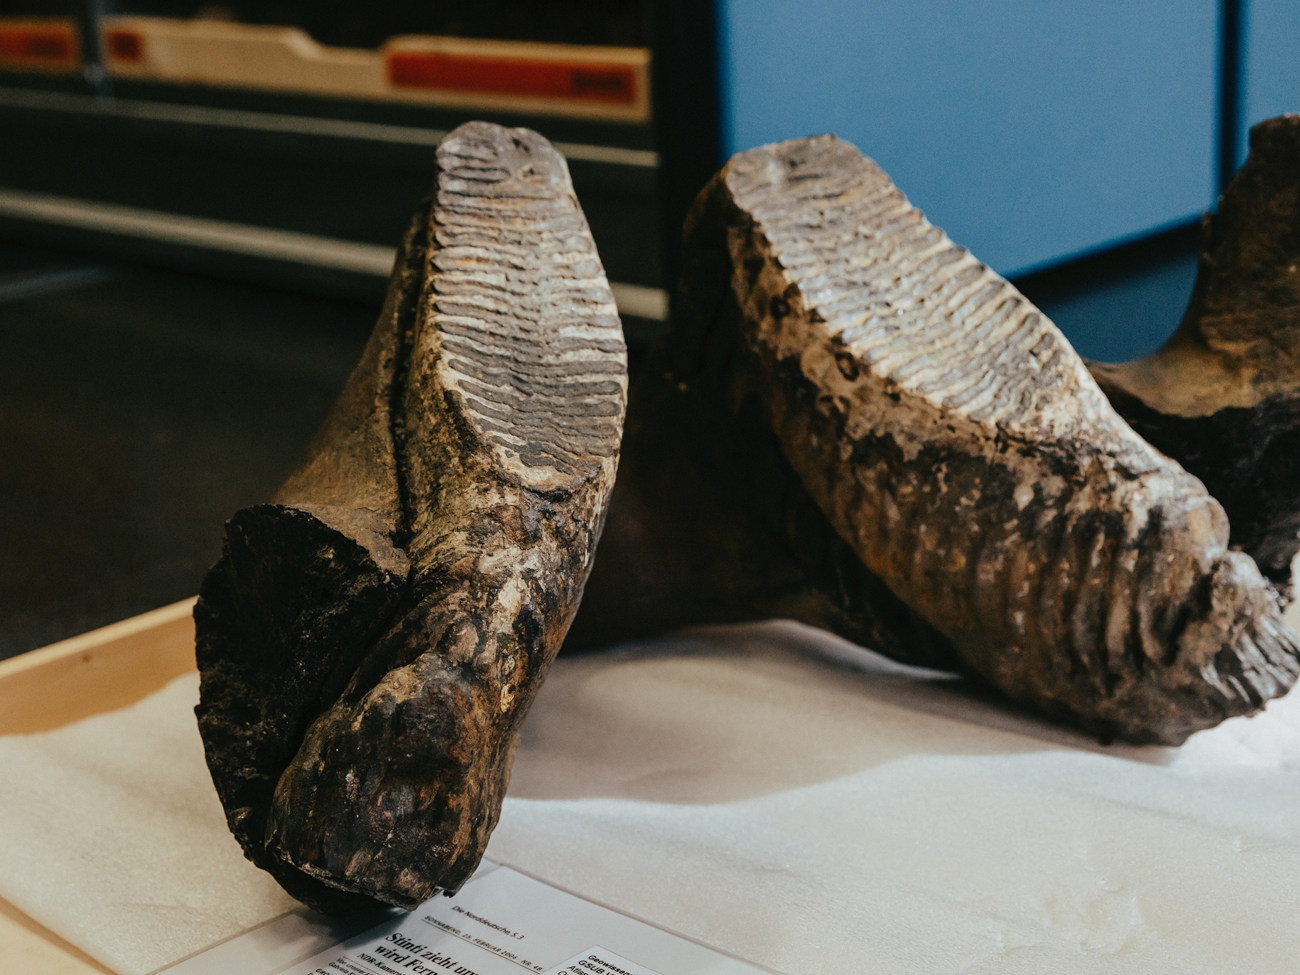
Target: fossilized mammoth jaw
[370, 642]
[955, 446]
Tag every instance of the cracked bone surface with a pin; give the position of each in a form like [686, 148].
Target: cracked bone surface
[370, 642]
[1222, 396]
[926, 421]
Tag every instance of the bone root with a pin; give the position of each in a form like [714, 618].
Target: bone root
[1222, 396]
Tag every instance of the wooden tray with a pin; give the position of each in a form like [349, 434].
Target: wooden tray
[96, 672]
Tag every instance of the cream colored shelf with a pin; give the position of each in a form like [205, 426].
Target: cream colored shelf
[581, 81]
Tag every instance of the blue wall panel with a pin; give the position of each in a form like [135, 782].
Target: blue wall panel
[1030, 131]
[1271, 55]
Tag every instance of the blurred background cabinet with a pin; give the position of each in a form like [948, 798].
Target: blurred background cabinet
[289, 141]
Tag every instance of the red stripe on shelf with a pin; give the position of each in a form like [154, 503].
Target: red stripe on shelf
[126, 45]
[38, 45]
[613, 83]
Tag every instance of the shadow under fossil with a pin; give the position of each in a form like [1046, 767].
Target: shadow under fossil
[729, 713]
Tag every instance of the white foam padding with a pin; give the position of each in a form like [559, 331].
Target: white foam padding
[765, 789]
[111, 835]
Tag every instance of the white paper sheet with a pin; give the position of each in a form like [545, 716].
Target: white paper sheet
[766, 790]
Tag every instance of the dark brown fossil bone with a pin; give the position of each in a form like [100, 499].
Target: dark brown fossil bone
[938, 437]
[1222, 397]
[370, 642]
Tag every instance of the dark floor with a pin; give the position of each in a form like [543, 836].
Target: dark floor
[139, 408]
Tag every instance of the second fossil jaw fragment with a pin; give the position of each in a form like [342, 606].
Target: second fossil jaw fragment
[925, 420]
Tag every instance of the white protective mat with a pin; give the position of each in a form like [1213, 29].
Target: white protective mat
[767, 790]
